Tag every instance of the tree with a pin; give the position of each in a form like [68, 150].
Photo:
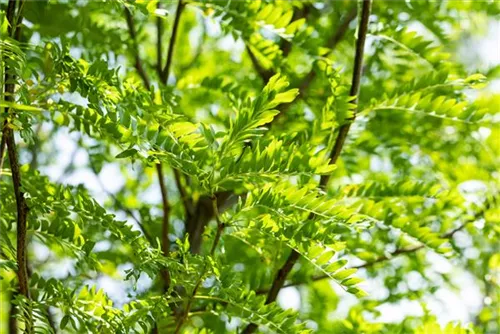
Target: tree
[339, 147]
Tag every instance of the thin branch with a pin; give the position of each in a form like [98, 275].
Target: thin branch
[165, 241]
[451, 233]
[12, 322]
[165, 245]
[384, 258]
[164, 75]
[133, 35]
[356, 79]
[331, 44]
[3, 144]
[166, 70]
[220, 228]
[280, 278]
[159, 41]
[22, 207]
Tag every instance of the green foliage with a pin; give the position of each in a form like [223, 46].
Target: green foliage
[173, 204]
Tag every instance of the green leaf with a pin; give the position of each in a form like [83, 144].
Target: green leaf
[127, 153]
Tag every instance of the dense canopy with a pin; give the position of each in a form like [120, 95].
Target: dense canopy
[249, 166]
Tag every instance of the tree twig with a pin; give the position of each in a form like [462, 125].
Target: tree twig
[133, 35]
[383, 258]
[159, 41]
[22, 207]
[165, 245]
[165, 241]
[280, 278]
[163, 75]
[166, 70]
[218, 234]
[331, 44]
[356, 78]
[3, 144]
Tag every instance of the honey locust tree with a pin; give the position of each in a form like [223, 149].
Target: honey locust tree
[171, 166]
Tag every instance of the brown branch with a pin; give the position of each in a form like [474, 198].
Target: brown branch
[8, 134]
[218, 234]
[331, 44]
[397, 252]
[164, 75]
[165, 242]
[280, 278]
[12, 322]
[194, 221]
[356, 78]
[166, 70]
[133, 35]
[3, 144]
[22, 214]
[159, 41]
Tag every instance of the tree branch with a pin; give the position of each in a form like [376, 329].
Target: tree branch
[159, 41]
[22, 213]
[356, 79]
[280, 278]
[165, 244]
[383, 258]
[188, 205]
[218, 234]
[8, 134]
[331, 44]
[133, 35]
[12, 323]
[3, 144]
[166, 70]
[165, 241]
